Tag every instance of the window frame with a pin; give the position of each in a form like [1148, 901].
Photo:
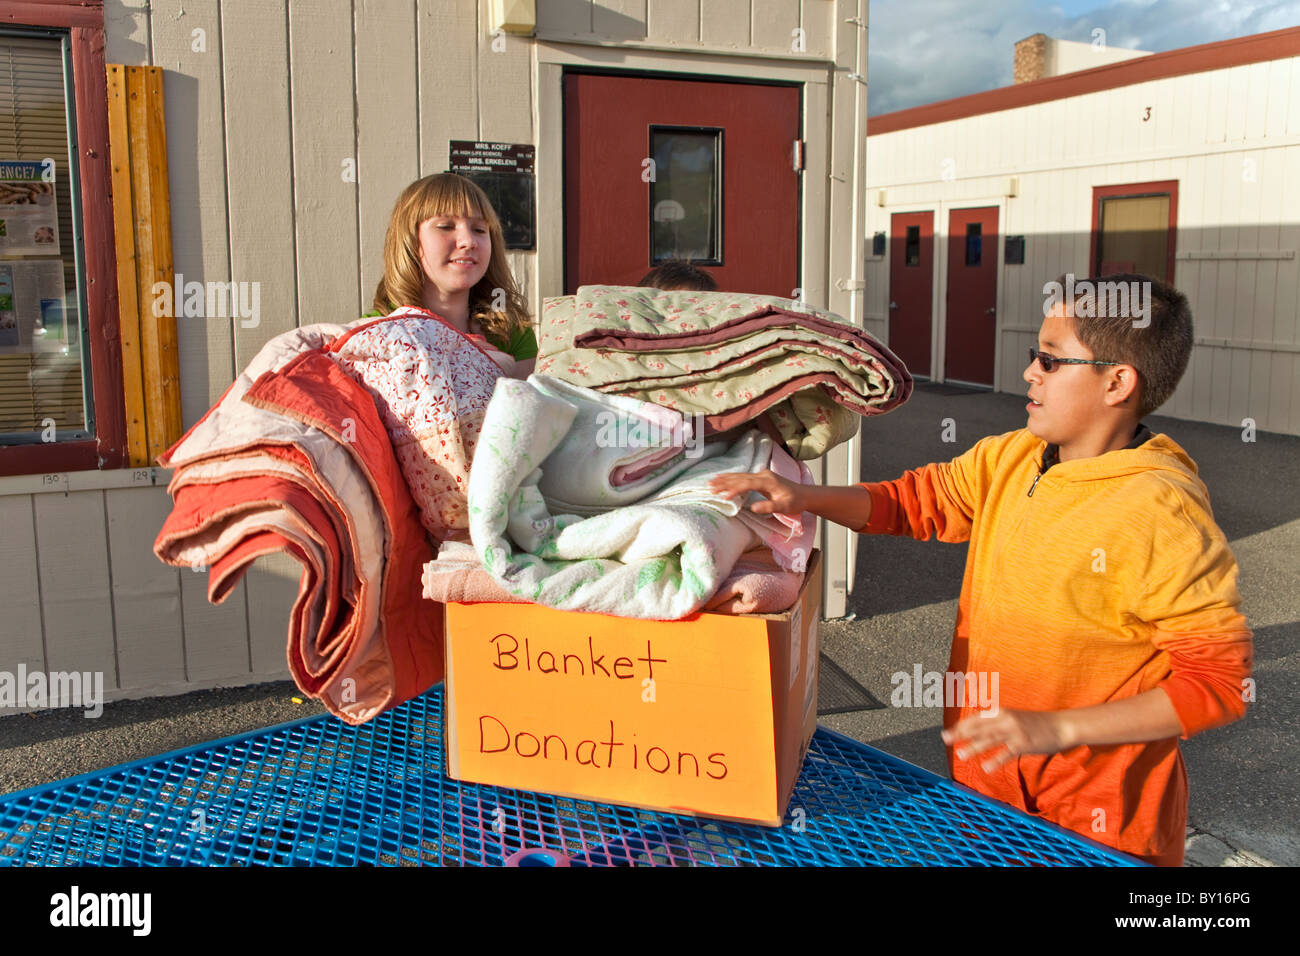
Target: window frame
[908, 240]
[84, 21]
[719, 134]
[1165, 187]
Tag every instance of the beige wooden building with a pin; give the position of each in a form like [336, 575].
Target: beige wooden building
[289, 129]
[1180, 165]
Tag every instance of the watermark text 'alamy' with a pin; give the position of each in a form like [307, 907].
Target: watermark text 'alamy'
[1101, 299]
[209, 300]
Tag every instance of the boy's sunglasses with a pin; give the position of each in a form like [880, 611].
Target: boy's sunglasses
[1048, 363]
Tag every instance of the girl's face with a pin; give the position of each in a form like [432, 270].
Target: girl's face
[454, 252]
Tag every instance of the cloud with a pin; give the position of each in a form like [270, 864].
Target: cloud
[920, 51]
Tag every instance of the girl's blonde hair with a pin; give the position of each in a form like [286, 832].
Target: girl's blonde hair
[447, 194]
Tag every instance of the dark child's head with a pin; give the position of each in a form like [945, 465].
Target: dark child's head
[678, 274]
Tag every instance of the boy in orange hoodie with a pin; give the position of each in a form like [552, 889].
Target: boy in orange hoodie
[1097, 588]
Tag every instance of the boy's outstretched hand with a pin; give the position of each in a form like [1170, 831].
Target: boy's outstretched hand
[1147, 716]
[782, 497]
[850, 506]
[1009, 733]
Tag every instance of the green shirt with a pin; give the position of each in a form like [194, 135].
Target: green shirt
[523, 345]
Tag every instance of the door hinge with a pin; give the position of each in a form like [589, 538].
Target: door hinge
[798, 156]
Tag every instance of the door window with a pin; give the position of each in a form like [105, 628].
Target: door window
[973, 237]
[1134, 229]
[912, 248]
[686, 195]
[1134, 235]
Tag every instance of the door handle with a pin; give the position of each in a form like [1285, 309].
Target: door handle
[991, 311]
[893, 305]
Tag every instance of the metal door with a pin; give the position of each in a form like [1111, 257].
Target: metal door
[911, 280]
[665, 168]
[972, 320]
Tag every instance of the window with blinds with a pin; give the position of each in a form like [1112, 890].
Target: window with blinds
[44, 366]
[1133, 235]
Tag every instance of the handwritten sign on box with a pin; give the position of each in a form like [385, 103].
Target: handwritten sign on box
[693, 716]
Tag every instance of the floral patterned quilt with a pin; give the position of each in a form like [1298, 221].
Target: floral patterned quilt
[432, 385]
[727, 356]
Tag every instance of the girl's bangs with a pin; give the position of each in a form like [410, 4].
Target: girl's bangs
[453, 197]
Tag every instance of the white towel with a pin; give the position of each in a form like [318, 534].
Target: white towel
[613, 434]
[659, 559]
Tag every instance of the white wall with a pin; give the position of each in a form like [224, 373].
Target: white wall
[1069, 56]
[1230, 137]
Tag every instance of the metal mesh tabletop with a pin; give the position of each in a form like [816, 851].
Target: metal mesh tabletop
[317, 791]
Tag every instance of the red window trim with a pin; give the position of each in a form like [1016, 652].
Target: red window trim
[85, 21]
[1099, 193]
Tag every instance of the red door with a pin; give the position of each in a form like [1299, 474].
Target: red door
[972, 295]
[911, 281]
[657, 168]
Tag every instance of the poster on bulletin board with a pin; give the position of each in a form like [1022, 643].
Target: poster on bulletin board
[33, 304]
[29, 218]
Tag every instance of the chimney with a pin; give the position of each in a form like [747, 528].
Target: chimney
[1030, 61]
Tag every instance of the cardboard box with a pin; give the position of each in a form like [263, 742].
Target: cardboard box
[709, 715]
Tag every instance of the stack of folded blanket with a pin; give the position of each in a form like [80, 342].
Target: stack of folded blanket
[725, 356]
[756, 584]
[339, 446]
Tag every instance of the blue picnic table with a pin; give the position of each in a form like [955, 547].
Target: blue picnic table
[317, 791]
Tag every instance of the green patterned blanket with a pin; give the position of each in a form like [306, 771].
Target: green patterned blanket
[726, 356]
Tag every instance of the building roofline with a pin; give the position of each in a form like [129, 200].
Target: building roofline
[1256, 48]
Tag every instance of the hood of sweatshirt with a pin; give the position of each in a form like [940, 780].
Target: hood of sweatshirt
[1159, 455]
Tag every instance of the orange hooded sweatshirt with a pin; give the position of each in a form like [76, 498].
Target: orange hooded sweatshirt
[1093, 581]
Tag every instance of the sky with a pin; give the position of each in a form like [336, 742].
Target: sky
[920, 51]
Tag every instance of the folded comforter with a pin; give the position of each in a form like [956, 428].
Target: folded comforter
[726, 356]
[295, 458]
[616, 451]
[662, 558]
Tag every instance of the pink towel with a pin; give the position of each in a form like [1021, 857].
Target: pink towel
[756, 585]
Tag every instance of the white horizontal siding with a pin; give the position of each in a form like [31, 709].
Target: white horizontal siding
[1229, 137]
[84, 592]
[752, 26]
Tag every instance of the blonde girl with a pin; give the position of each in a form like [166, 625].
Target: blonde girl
[444, 252]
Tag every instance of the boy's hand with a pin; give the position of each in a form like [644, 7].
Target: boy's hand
[1011, 732]
[783, 497]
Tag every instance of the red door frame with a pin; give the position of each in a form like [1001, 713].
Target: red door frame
[1163, 187]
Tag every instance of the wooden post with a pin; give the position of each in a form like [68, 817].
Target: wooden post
[142, 226]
